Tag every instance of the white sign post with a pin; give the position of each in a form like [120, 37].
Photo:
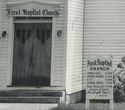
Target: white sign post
[99, 80]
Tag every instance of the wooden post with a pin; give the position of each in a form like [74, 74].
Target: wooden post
[111, 104]
[87, 104]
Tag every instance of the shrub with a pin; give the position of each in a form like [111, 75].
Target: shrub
[119, 82]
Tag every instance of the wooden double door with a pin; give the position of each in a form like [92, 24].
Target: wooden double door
[32, 54]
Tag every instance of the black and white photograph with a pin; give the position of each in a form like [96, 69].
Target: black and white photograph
[62, 54]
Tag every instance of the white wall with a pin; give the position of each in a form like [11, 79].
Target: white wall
[58, 78]
[3, 45]
[104, 29]
[74, 46]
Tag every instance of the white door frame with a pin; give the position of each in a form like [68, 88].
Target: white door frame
[11, 49]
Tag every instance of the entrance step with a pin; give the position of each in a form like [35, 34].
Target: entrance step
[27, 106]
[30, 96]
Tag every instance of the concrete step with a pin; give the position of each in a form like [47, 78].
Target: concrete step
[27, 106]
[11, 93]
[53, 100]
[30, 96]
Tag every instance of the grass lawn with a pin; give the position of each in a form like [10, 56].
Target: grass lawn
[96, 106]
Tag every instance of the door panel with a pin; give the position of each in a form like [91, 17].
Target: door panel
[32, 55]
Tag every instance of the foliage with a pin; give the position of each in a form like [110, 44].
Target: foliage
[119, 81]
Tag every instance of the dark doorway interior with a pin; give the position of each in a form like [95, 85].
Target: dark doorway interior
[32, 54]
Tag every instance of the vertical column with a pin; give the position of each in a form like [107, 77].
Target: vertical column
[111, 104]
[87, 104]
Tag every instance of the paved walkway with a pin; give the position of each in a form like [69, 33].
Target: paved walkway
[27, 106]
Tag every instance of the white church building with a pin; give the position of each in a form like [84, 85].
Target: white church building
[44, 45]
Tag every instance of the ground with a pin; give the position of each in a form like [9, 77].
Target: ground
[79, 106]
[27, 106]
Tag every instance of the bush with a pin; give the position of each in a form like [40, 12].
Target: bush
[118, 93]
[119, 82]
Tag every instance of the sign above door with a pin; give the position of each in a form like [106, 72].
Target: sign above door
[33, 9]
[32, 12]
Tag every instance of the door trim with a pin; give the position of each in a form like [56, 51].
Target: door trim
[11, 49]
[23, 22]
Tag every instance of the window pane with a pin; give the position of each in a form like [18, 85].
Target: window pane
[48, 34]
[18, 34]
[28, 33]
[23, 36]
[38, 34]
[42, 36]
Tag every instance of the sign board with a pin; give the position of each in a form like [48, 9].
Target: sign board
[99, 78]
[32, 12]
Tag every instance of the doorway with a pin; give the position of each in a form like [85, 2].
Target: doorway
[32, 54]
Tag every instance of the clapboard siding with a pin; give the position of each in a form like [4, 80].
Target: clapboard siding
[74, 46]
[58, 59]
[58, 72]
[104, 29]
[3, 45]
